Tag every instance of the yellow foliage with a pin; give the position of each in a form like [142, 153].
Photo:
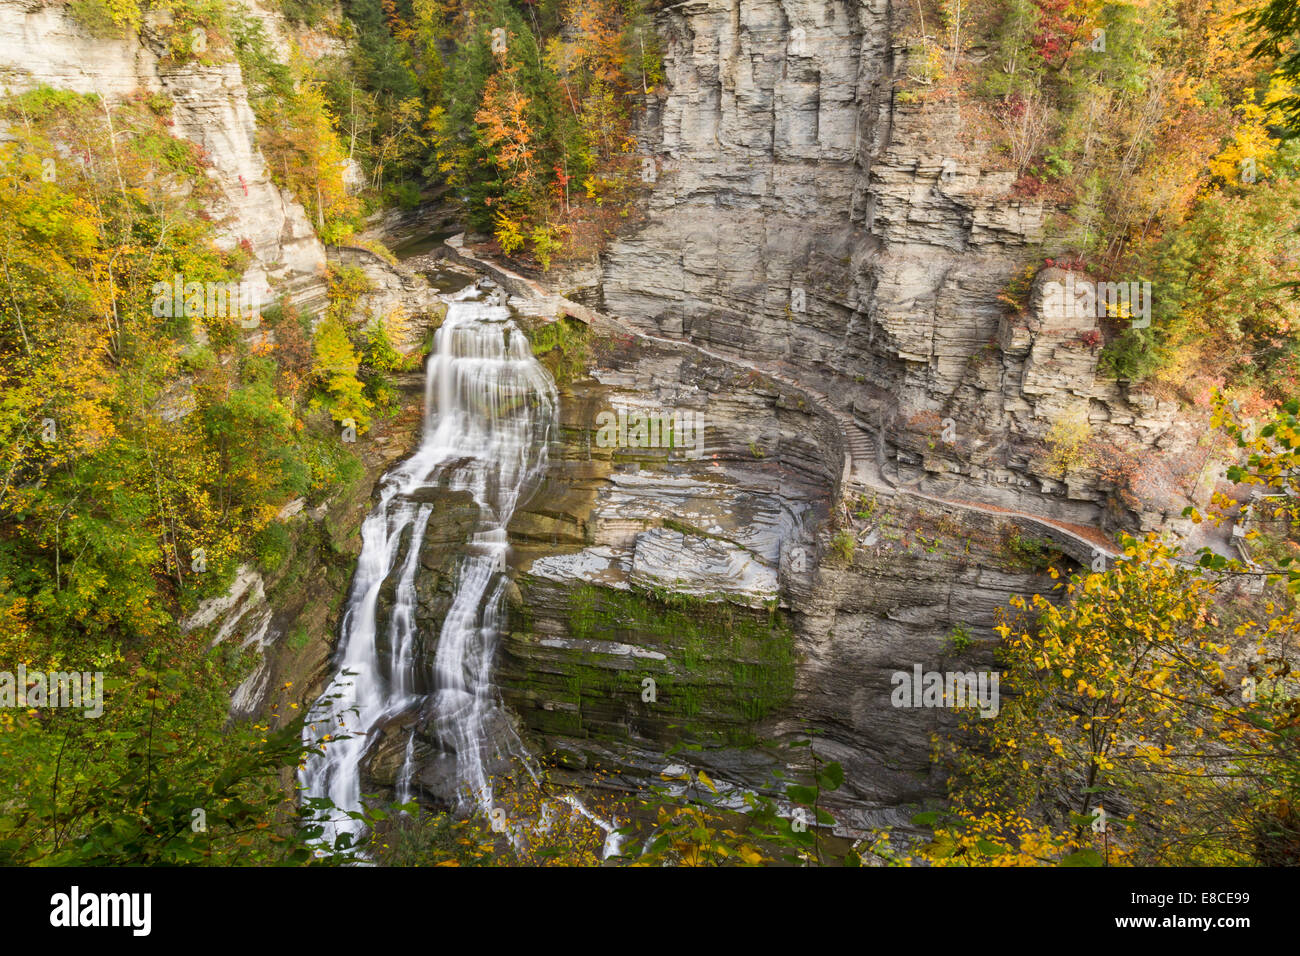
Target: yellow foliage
[508, 236]
[1123, 694]
[1067, 440]
[1250, 153]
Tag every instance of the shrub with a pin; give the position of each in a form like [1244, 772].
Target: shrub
[844, 544]
[1067, 441]
[271, 545]
[959, 639]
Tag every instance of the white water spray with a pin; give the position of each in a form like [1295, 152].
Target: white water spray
[489, 412]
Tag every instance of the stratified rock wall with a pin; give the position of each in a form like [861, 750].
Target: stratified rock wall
[806, 218]
[42, 44]
[806, 214]
[787, 168]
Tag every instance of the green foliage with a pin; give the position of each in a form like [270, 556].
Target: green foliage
[844, 544]
[1122, 112]
[264, 74]
[960, 640]
[435, 839]
[547, 240]
[298, 130]
[347, 284]
[156, 780]
[190, 29]
[1016, 66]
[563, 346]
[1144, 123]
[138, 470]
[734, 662]
[272, 545]
[341, 391]
[379, 359]
[332, 465]
[1033, 554]
[341, 387]
[1134, 356]
[252, 432]
[1272, 465]
[383, 62]
[677, 823]
[92, 446]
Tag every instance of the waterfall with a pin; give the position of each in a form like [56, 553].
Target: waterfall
[489, 413]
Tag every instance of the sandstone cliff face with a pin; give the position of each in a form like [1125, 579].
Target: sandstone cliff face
[404, 300]
[665, 561]
[42, 44]
[787, 168]
[806, 216]
[1144, 462]
[807, 220]
[717, 578]
[759, 182]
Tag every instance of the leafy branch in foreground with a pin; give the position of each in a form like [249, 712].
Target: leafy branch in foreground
[1144, 721]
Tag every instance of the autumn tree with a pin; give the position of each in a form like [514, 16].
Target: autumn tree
[145, 449]
[536, 101]
[336, 369]
[1276, 26]
[1141, 722]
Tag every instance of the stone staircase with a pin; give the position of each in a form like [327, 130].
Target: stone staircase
[862, 449]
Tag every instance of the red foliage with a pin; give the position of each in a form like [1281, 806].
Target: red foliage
[1028, 186]
[1057, 34]
[1075, 263]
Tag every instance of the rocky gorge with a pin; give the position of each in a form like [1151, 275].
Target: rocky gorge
[827, 462]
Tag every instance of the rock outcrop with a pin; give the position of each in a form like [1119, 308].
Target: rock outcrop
[721, 582]
[43, 44]
[809, 217]
[396, 297]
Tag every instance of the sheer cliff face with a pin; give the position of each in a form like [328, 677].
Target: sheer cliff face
[805, 216]
[787, 167]
[43, 45]
[805, 213]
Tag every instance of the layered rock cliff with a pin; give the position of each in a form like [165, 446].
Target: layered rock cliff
[825, 263]
[43, 44]
[807, 216]
[807, 222]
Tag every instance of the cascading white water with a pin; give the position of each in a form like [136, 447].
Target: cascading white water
[489, 412]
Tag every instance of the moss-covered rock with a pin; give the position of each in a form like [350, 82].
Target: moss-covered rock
[631, 665]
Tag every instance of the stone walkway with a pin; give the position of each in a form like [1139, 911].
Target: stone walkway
[863, 462]
[864, 467]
